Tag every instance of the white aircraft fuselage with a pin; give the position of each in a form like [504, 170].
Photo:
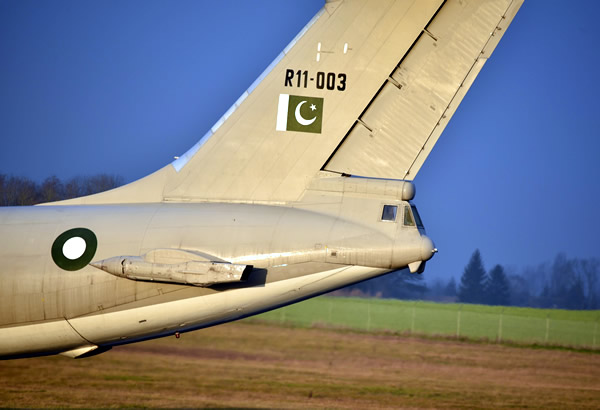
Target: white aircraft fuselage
[295, 251]
[302, 187]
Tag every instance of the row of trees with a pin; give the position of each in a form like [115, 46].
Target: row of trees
[397, 285]
[565, 283]
[24, 191]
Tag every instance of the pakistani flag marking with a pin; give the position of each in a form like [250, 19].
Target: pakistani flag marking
[297, 113]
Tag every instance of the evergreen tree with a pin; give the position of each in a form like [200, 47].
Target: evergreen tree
[472, 281]
[497, 287]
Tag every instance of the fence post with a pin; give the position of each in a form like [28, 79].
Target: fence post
[458, 322]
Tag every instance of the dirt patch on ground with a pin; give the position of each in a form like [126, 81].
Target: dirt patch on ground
[202, 353]
[256, 365]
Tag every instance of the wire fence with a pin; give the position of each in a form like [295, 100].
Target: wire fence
[494, 323]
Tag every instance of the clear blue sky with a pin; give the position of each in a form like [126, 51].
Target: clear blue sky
[121, 87]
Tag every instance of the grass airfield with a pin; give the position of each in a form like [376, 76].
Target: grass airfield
[252, 364]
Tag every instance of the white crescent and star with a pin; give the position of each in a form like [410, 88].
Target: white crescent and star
[301, 120]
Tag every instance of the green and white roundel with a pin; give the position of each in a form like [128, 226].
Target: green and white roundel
[74, 249]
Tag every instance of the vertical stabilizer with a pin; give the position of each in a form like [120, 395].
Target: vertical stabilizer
[366, 88]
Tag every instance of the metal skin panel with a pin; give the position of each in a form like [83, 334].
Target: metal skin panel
[400, 127]
[126, 326]
[251, 195]
[49, 337]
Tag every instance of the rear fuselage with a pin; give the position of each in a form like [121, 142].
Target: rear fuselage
[297, 250]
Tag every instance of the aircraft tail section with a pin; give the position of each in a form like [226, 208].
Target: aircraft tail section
[365, 89]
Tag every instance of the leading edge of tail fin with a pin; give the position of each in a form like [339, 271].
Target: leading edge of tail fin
[364, 89]
[180, 162]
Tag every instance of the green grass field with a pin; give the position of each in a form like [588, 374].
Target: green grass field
[478, 322]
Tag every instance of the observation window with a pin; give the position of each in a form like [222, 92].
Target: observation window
[408, 218]
[389, 213]
[417, 216]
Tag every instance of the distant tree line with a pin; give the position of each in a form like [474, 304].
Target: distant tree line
[563, 284]
[396, 285]
[16, 191]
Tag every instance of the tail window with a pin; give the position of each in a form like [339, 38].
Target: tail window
[417, 216]
[389, 213]
[408, 218]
